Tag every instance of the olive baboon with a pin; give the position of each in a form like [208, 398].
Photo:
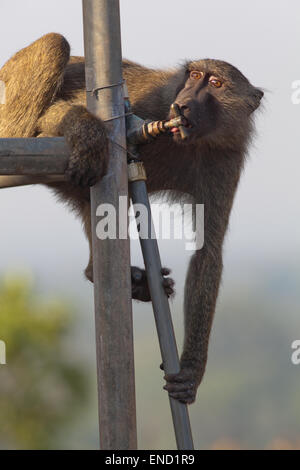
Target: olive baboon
[46, 97]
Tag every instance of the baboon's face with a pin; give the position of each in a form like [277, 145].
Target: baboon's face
[216, 101]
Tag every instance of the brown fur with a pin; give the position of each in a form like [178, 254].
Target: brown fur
[46, 96]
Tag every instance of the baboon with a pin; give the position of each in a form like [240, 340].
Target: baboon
[45, 96]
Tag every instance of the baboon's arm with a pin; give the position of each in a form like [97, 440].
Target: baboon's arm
[201, 290]
[217, 186]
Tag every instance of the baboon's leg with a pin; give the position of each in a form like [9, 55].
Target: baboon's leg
[86, 137]
[11, 181]
[32, 77]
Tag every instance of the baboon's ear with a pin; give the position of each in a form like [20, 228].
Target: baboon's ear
[256, 97]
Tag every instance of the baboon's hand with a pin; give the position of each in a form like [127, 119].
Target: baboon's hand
[140, 288]
[87, 139]
[183, 386]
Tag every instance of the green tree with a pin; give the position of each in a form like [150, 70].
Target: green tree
[42, 385]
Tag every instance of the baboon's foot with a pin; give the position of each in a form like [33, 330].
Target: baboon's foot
[140, 288]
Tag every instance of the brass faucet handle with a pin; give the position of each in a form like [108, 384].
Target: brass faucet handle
[183, 131]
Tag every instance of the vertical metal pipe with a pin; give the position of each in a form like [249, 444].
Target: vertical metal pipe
[162, 315]
[112, 282]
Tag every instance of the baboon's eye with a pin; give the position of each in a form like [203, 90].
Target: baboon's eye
[196, 75]
[215, 82]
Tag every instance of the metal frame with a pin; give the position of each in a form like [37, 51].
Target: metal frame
[111, 258]
[48, 158]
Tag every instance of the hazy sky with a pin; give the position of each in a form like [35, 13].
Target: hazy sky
[260, 38]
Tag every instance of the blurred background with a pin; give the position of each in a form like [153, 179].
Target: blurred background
[250, 395]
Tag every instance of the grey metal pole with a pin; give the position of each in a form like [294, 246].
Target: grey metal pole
[162, 315]
[111, 258]
[43, 156]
